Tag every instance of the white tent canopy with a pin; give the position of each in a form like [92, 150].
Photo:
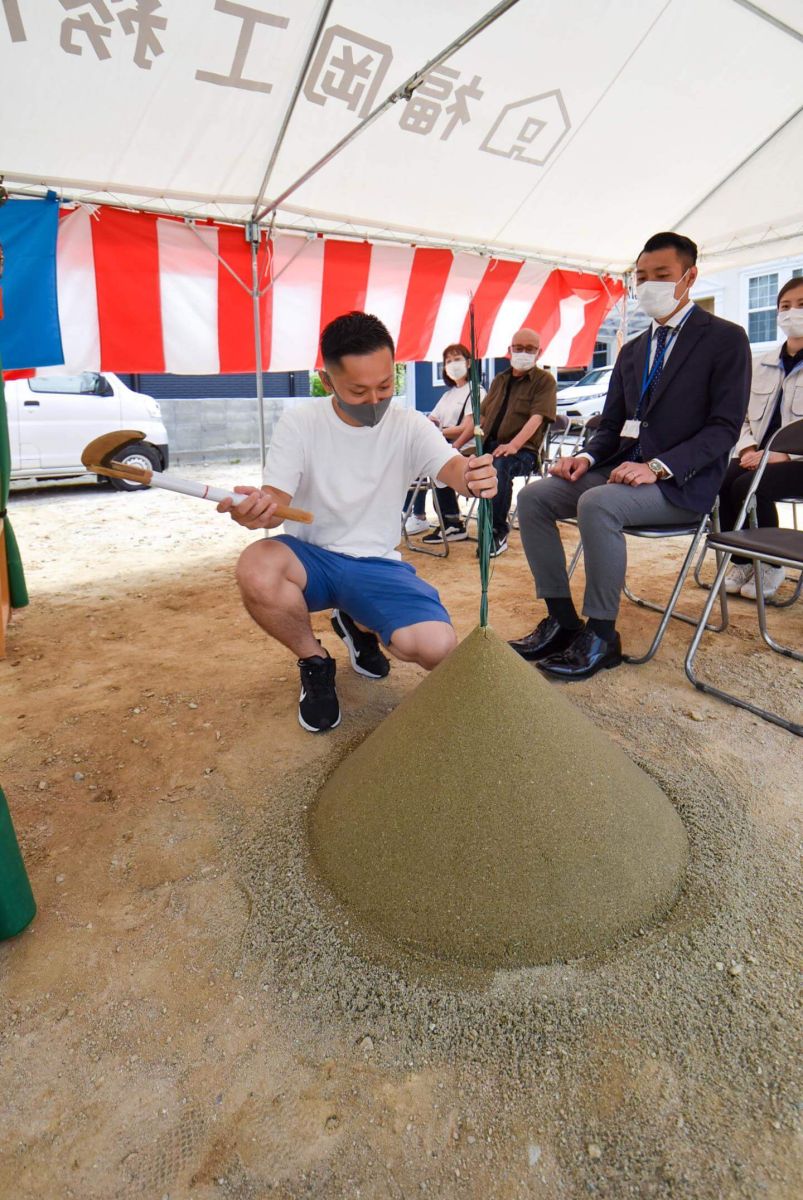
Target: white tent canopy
[563, 130]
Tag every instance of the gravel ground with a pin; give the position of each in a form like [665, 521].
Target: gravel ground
[191, 1014]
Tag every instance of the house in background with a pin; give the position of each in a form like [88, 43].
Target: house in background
[747, 295]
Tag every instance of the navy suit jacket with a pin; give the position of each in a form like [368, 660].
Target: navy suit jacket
[694, 416]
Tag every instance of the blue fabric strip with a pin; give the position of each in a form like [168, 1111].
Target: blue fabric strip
[30, 335]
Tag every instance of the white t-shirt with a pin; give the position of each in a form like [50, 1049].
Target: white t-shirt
[353, 480]
[448, 409]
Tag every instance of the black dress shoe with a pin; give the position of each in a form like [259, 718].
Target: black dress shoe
[549, 637]
[587, 654]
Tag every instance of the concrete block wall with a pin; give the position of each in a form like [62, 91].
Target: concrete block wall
[218, 430]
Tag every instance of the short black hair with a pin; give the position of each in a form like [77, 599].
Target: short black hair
[684, 247]
[795, 282]
[354, 333]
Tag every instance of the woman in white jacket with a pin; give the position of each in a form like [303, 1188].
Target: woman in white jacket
[776, 399]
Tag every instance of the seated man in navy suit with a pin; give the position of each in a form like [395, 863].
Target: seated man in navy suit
[674, 409]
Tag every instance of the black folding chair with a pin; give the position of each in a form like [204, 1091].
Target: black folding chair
[574, 430]
[753, 521]
[696, 530]
[526, 476]
[780, 548]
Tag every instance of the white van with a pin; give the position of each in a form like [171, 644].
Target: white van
[51, 418]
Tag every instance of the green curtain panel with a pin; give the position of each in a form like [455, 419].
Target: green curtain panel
[16, 575]
[17, 905]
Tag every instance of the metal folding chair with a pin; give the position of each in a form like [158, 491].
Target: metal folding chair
[513, 518]
[427, 485]
[554, 441]
[780, 548]
[471, 512]
[566, 429]
[696, 531]
[528, 475]
[753, 521]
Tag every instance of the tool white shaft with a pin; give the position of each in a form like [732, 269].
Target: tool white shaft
[188, 487]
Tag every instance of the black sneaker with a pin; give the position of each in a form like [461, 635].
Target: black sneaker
[453, 533]
[366, 657]
[318, 706]
[498, 546]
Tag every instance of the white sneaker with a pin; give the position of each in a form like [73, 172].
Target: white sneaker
[771, 580]
[415, 524]
[737, 577]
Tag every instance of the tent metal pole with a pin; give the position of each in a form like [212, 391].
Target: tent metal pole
[621, 333]
[763, 15]
[402, 93]
[761, 244]
[738, 168]
[252, 232]
[291, 108]
[403, 238]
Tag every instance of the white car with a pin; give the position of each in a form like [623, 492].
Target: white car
[586, 397]
[51, 418]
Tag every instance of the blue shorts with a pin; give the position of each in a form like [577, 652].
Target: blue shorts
[383, 594]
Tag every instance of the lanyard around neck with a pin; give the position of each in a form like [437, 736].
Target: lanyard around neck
[650, 373]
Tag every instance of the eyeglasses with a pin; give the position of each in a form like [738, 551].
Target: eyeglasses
[517, 349]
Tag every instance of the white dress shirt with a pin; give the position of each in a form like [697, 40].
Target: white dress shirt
[673, 322]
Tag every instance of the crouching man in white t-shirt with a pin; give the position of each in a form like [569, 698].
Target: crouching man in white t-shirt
[348, 458]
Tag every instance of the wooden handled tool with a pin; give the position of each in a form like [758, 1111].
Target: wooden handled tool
[98, 457]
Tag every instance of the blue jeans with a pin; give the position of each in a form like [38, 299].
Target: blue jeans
[523, 463]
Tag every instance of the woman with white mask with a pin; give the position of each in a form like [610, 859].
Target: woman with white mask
[452, 414]
[776, 399]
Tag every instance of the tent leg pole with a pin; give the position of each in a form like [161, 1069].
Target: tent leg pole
[622, 338]
[252, 232]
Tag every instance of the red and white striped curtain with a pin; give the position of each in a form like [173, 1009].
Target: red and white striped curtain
[142, 293]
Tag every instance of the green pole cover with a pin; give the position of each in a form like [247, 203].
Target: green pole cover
[16, 575]
[17, 905]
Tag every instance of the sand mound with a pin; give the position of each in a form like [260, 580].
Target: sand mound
[488, 822]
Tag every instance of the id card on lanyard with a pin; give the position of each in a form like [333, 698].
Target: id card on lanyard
[632, 428]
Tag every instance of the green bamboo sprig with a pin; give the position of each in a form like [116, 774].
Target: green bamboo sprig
[484, 515]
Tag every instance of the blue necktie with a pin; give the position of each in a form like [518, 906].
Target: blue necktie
[661, 335]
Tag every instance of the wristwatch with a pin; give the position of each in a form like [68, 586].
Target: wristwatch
[658, 469]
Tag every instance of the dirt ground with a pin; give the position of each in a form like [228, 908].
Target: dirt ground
[188, 1015]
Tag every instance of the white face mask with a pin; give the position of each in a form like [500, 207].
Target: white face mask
[522, 361]
[657, 297]
[456, 369]
[790, 322]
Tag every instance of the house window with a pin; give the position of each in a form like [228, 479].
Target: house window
[600, 358]
[761, 307]
[797, 273]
